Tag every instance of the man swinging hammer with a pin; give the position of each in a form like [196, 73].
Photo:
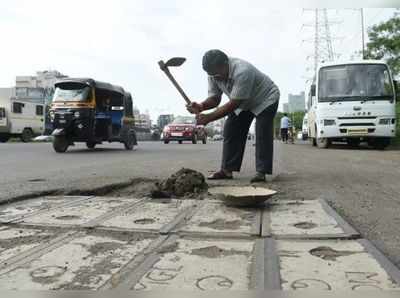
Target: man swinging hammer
[252, 94]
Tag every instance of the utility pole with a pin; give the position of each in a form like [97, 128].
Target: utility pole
[362, 33]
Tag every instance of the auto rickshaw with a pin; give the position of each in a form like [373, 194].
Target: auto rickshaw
[85, 110]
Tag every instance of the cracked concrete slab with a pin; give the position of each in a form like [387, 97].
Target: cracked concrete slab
[20, 209]
[304, 219]
[85, 262]
[200, 265]
[79, 214]
[151, 216]
[330, 265]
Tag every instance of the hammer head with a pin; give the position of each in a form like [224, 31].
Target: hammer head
[174, 62]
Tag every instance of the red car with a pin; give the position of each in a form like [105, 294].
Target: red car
[184, 129]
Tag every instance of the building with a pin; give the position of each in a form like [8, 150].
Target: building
[286, 108]
[39, 87]
[297, 102]
[143, 121]
[164, 120]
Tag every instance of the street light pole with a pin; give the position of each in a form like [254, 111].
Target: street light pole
[362, 30]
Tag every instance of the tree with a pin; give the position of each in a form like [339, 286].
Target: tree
[385, 42]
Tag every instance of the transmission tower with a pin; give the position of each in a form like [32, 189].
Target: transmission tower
[323, 48]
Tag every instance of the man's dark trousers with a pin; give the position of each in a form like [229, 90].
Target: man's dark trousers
[236, 129]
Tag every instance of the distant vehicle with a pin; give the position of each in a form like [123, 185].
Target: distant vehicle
[304, 130]
[85, 110]
[184, 128]
[20, 118]
[352, 102]
[217, 138]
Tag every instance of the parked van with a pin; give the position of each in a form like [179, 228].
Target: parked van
[20, 118]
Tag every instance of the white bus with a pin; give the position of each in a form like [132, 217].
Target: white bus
[352, 102]
[20, 118]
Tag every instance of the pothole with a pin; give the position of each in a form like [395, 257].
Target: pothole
[330, 254]
[306, 225]
[144, 221]
[68, 217]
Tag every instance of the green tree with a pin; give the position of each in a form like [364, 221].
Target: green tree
[384, 42]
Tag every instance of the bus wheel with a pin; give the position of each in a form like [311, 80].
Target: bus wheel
[354, 143]
[90, 145]
[380, 143]
[27, 135]
[4, 138]
[323, 143]
[60, 144]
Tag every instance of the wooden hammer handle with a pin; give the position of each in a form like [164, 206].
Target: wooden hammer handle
[172, 79]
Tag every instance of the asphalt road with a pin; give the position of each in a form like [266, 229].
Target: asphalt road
[363, 185]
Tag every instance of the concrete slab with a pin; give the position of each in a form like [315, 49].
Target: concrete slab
[19, 210]
[151, 216]
[216, 219]
[16, 241]
[304, 219]
[188, 264]
[79, 214]
[85, 262]
[242, 195]
[330, 265]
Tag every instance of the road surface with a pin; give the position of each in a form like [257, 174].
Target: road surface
[363, 185]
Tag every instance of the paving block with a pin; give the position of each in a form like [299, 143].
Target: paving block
[19, 210]
[334, 265]
[152, 216]
[304, 219]
[197, 264]
[80, 214]
[216, 219]
[84, 261]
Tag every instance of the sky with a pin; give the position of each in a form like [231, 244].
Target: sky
[121, 42]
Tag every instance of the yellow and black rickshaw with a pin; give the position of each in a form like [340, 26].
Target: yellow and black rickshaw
[85, 110]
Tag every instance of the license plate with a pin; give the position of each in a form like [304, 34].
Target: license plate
[63, 121]
[357, 131]
[176, 134]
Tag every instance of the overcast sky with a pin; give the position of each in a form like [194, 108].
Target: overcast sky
[121, 42]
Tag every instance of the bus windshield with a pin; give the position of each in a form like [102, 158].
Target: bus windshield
[71, 92]
[355, 82]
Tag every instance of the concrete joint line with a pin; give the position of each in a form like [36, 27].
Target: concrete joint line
[266, 222]
[349, 231]
[190, 212]
[386, 264]
[141, 267]
[36, 252]
[183, 216]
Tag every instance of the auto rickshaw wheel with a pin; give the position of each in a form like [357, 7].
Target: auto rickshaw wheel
[194, 139]
[129, 142]
[60, 144]
[90, 145]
